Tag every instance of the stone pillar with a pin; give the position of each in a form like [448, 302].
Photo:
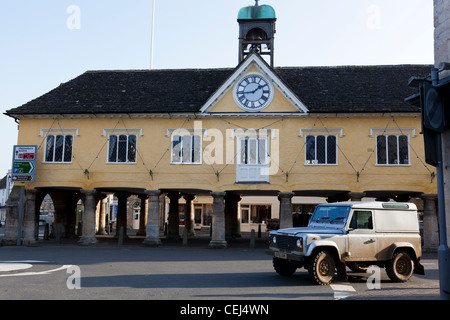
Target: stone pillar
[174, 216]
[12, 218]
[285, 199]
[102, 215]
[152, 231]
[232, 228]
[442, 33]
[430, 223]
[143, 213]
[90, 203]
[162, 211]
[189, 215]
[218, 222]
[29, 217]
[356, 196]
[122, 199]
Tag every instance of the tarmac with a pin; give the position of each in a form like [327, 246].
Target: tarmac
[425, 291]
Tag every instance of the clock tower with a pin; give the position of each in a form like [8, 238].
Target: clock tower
[257, 31]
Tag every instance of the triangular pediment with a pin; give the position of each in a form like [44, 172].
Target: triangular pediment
[254, 88]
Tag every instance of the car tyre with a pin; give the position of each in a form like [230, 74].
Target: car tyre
[283, 267]
[401, 267]
[322, 267]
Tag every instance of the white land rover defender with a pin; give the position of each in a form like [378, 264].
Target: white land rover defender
[353, 235]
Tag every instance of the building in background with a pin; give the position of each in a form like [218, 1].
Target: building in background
[5, 189]
[226, 148]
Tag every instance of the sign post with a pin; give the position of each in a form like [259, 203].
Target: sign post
[435, 103]
[23, 170]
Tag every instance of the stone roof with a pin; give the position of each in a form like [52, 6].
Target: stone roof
[343, 89]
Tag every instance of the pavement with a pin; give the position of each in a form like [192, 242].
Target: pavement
[201, 239]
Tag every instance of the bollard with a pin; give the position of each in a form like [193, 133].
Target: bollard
[252, 239]
[185, 238]
[46, 231]
[259, 231]
[121, 236]
[58, 233]
[80, 229]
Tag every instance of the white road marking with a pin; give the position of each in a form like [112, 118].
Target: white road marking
[25, 261]
[342, 291]
[6, 266]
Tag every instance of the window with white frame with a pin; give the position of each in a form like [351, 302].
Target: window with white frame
[321, 150]
[253, 150]
[58, 148]
[393, 149]
[122, 148]
[186, 149]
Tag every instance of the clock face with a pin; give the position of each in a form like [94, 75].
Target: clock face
[253, 92]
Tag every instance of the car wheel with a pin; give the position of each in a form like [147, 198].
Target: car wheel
[283, 267]
[401, 267]
[322, 267]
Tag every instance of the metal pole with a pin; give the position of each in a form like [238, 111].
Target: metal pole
[153, 35]
[19, 228]
[443, 251]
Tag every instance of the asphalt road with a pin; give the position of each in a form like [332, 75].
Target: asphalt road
[67, 271]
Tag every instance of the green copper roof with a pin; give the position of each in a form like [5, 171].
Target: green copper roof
[257, 12]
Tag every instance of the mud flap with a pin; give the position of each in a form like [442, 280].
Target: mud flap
[418, 268]
[341, 270]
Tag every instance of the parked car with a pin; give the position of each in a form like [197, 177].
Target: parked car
[273, 224]
[354, 235]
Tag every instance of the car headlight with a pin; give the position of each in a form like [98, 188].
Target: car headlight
[299, 243]
[274, 240]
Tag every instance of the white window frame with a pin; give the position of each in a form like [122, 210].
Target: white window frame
[55, 135]
[117, 150]
[192, 148]
[315, 161]
[258, 172]
[258, 138]
[397, 135]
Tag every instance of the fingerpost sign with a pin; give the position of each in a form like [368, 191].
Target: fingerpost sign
[24, 163]
[23, 170]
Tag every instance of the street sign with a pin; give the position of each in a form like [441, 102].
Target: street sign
[23, 167]
[24, 163]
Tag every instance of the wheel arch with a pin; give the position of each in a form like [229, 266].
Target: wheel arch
[403, 246]
[324, 245]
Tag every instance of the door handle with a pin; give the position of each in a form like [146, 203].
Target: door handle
[369, 241]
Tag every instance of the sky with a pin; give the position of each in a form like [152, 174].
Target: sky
[44, 43]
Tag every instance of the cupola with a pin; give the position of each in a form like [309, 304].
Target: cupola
[257, 31]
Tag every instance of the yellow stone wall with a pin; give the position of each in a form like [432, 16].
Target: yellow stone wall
[357, 151]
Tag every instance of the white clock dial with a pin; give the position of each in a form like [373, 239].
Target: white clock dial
[253, 92]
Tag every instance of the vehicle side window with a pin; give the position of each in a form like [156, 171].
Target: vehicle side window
[361, 220]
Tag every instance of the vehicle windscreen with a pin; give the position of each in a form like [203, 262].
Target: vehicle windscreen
[331, 214]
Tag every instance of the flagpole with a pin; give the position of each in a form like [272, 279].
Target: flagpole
[153, 35]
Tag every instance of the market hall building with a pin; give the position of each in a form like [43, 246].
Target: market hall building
[337, 133]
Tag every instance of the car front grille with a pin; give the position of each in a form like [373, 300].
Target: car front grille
[286, 242]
